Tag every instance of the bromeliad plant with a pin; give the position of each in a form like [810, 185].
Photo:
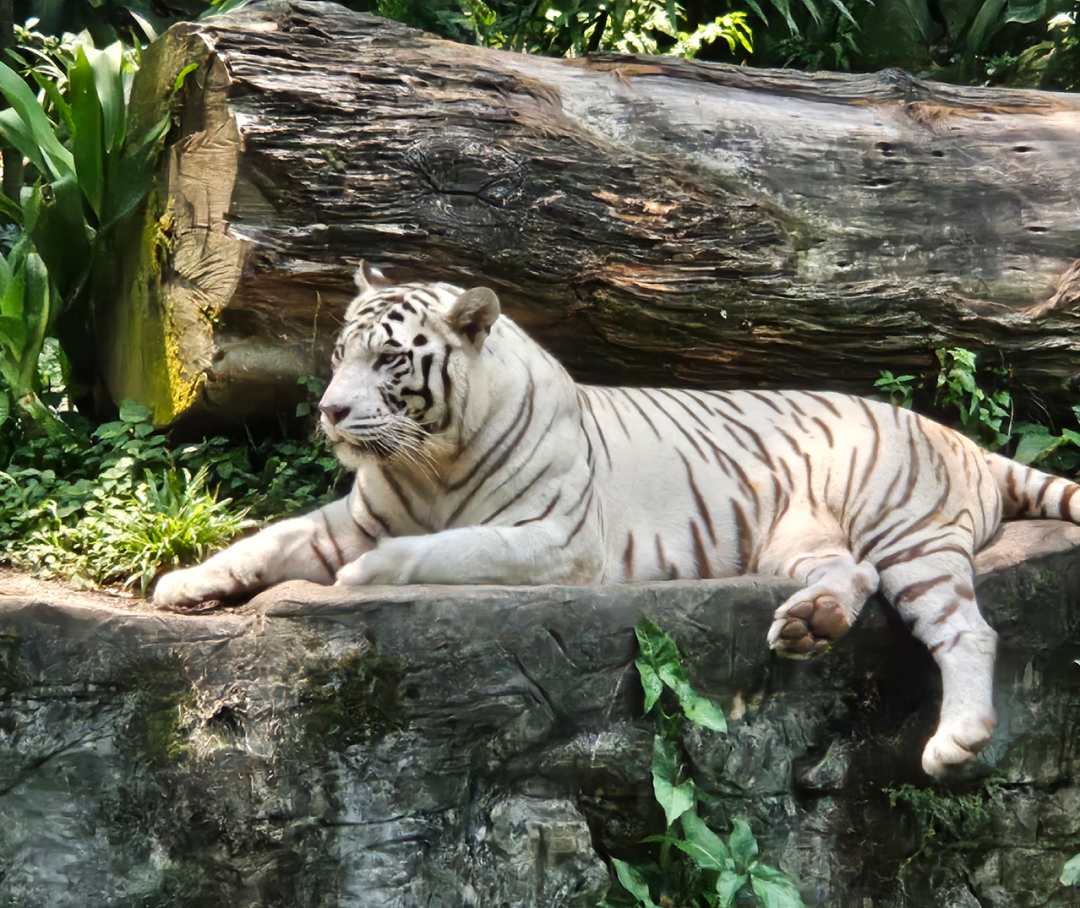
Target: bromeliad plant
[89, 173]
[695, 867]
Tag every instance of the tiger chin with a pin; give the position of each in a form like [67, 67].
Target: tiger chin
[479, 460]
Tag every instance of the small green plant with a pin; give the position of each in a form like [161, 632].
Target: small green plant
[899, 388]
[695, 867]
[116, 506]
[984, 415]
[314, 387]
[90, 171]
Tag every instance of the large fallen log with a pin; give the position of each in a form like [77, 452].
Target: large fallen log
[649, 220]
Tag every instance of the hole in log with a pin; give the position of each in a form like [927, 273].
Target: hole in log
[1022, 149]
[938, 154]
[1036, 228]
[880, 183]
[885, 148]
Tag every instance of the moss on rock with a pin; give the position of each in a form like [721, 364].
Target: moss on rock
[353, 700]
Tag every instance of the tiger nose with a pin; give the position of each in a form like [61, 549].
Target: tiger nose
[334, 414]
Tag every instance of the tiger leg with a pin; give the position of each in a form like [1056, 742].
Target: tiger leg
[310, 547]
[541, 552]
[837, 587]
[935, 594]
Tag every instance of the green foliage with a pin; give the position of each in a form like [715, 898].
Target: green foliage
[979, 403]
[899, 388]
[90, 174]
[696, 868]
[946, 820]
[982, 413]
[117, 506]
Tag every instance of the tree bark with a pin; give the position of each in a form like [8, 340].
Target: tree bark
[651, 221]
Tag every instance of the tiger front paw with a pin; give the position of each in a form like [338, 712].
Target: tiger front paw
[809, 622]
[388, 564]
[191, 586]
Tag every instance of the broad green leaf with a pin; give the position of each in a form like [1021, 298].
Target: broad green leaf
[844, 11]
[13, 293]
[87, 142]
[785, 11]
[656, 646]
[12, 342]
[183, 74]
[18, 135]
[56, 98]
[130, 176]
[26, 106]
[1072, 436]
[728, 885]
[1070, 873]
[698, 709]
[811, 7]
[650, 683]
[108, 66]
[674, 798]
[62, 236]
[743, 845]
[774, 890]
[10, 210]
[1025, 11]
[633, 882]
[702, 844]
[5, 406]
[988, 22]
[757, 9]
[1033, 446]
[130, 411]
[37, 310]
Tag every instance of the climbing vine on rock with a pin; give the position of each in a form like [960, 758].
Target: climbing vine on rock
[695, 866]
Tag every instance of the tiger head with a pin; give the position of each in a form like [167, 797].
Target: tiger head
[401, 367]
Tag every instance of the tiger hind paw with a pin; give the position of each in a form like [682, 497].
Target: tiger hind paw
[954, 743]
[809, 622]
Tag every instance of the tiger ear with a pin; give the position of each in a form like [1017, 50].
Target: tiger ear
[368, 278]
[473, 313]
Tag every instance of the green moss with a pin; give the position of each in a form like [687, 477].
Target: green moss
[947, 821]
[355, 700]
[11, 679]
[162, 697]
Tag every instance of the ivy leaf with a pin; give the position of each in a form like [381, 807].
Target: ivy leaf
[650, 683]
[675, 799]
[633, 881]
[703, 845]
[1070, 873]
[699, 709]
[659, 662]
[743, 845]
[657, 648]
[728, 885]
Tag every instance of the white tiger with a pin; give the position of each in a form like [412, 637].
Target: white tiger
[479, 460]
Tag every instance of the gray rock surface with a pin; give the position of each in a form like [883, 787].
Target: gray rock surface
[444, 746]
